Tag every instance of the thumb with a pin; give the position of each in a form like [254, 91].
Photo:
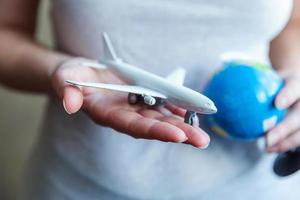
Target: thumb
[72, 99]
[289, 94]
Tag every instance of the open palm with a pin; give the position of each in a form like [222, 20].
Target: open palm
[109, 108]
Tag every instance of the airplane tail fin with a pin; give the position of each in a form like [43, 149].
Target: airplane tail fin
[108, 50]
[177, 76]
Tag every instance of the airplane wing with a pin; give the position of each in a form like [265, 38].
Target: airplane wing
[121, 88]
[92, 64]
[177, 76]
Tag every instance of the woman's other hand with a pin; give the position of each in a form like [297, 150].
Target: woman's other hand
[286, 135]
[284, 54]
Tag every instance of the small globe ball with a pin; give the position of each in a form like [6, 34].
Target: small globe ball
[244, 94]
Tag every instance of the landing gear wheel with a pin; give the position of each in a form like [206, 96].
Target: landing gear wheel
[160, 102]
[189, 117]
[133, 98]
[287, 163]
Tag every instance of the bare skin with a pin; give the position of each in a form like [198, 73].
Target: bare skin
[112, 109]
[27, 66]
[285, 51]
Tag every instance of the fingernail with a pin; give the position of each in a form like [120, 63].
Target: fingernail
[272, 139]
[64, 104]
[184, 139]
[272, 149]
[204, 147]
[281, 103]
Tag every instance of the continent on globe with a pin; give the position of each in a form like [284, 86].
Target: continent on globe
[244, 91]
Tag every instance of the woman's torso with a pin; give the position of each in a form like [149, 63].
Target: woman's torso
[158, 36]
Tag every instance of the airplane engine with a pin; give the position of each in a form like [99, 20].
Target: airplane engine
[149, 100]
[133, 98]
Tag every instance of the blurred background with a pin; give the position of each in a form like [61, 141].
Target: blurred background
[20, 118]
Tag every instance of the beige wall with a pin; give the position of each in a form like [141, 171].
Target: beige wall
[20, 118]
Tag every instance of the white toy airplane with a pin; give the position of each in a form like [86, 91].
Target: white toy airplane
[152, 89]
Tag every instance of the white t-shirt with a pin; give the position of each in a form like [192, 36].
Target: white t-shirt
[77, 159]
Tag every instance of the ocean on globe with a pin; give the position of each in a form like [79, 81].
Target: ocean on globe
[244, 93]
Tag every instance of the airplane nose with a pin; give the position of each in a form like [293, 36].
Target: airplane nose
[214, 109]
[211, 107]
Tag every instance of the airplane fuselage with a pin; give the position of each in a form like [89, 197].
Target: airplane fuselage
[176, 94]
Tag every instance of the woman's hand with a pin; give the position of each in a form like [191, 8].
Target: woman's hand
[109, 108]
[286, 135]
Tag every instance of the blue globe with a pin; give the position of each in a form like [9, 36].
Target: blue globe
[244, 94]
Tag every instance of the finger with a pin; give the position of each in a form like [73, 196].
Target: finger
[176, 110]
[291, 142]
[193, 135]
[289, 94]
[72, 99]
[157, 113]
[289, 125]
[164, 111]
[196, 136]
[149, 113]
[138, 126]
[286, 73]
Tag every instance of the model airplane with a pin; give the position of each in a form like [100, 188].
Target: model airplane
[150, 88]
